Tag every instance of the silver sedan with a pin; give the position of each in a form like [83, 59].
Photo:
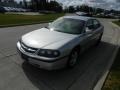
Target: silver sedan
[60, 44]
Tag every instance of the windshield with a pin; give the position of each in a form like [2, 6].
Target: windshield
[67, 25]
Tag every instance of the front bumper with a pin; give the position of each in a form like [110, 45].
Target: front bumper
[42, 62]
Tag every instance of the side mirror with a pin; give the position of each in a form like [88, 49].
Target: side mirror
[47, 25]
[88, 30]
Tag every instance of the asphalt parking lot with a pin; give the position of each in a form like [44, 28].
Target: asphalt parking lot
[17, 75]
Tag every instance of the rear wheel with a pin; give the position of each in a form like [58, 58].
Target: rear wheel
[99, 40]
[73, 58]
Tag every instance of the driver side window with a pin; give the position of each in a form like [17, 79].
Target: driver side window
[90, 25]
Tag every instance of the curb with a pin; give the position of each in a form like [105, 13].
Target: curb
[115, 25]
[101, 81]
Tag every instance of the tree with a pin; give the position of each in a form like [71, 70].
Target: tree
[20, 3]
[85, 8]
[45, 5]
[25, 3]
[99, 10]
[55, 6]
[78, 8]
[71, 9]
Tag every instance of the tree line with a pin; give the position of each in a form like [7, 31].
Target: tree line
[37, 5]
[83, 8]
[88, 9]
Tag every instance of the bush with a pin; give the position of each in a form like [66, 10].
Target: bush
[2, 10]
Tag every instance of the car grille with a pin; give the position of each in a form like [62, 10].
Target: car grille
[28, 49]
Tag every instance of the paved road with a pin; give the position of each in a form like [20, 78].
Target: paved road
[17, 75]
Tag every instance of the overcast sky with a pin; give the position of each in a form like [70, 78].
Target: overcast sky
[106, 4]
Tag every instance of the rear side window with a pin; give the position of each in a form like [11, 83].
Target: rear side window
[89, 23]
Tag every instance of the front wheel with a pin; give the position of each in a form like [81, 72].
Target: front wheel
[73, 58]
[24, 57]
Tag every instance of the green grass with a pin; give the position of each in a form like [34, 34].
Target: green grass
[117, 22]
[113, 80]
[14, 19]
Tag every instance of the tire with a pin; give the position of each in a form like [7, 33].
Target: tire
[24, 57]
[73, 57]
[99, 40]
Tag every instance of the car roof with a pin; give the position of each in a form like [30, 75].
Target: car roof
[84, 18]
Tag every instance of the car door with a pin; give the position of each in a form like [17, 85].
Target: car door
[96, 30]
[87, 35]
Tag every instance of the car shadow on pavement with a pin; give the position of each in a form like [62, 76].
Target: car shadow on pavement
[91, 66]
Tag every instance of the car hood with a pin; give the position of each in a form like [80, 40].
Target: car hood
[44, 37]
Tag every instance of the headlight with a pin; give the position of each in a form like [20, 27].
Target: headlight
[48, 53]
